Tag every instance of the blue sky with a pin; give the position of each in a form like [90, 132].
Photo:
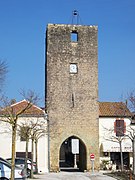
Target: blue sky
[22, 42]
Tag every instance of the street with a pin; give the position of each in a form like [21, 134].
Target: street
[73, 176]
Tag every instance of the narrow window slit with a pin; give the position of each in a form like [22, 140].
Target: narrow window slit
[72, 100]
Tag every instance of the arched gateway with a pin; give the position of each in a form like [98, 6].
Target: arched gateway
[72, 159]
[72, 94]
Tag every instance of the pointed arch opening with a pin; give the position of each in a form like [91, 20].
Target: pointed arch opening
[72, 156]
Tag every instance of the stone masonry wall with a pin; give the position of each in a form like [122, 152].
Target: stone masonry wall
[72, 97]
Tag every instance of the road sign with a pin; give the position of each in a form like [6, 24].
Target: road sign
[92, 157]
[75, 146]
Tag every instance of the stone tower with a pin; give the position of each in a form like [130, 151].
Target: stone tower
[72, 94]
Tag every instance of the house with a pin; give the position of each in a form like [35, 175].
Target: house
[31, 117]
[114, 127]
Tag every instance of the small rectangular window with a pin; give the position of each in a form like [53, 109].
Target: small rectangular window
[74, 36]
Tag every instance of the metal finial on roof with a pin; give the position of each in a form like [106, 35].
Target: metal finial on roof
[75, 18]
[75, 13]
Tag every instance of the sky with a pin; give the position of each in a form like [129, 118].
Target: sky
[22, 42]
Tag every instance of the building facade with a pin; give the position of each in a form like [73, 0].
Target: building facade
[72, 95]
[114, 128]
[33, 117]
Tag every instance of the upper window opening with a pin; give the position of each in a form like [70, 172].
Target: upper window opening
[74, 36]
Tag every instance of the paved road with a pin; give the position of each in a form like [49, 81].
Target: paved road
[72, 176]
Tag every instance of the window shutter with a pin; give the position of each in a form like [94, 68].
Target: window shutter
[115, 127]
[124, 127]
[119, 127]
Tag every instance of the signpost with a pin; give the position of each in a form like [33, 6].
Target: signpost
[92, 158]
[75, 150]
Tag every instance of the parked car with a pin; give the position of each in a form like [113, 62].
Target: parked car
[5, 171]
[20, 162]
[2, 159]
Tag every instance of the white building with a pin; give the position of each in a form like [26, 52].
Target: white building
[114, 126]
[34, 115]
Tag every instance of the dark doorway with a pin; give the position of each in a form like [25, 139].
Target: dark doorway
[67, 158]
[23, 154]
[115, 158]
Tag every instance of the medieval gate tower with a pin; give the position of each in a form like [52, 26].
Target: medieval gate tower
[72, 95]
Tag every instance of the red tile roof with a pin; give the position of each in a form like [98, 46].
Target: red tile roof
[113, 109]
[106, 109]
[19, 106]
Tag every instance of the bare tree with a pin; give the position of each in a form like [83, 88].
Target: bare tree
[10, 115]
[110, 136]
[24, 132]
[131, 135]
[130, 103]
[39, 130]
[33, 129]
[117, 133]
